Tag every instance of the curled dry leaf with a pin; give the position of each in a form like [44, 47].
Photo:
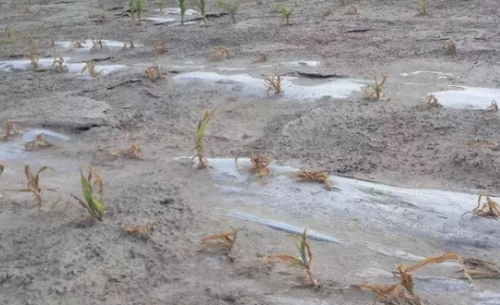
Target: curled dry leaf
[136, 230]
[273, 82]
[225, 240]
[9, 130]
[38, 143]
[316, 176]
[260, 163]
[219, 53]
[33, 185]
[493, 107]
[480, 269]
[490, 208]
[132, 152]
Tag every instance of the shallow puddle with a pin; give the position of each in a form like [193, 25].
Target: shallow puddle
[439, 75]
[14, 148]
[86, 45]
[25, 64]
[171, 16]
[304, 63]
[251, 86]
[468, 97]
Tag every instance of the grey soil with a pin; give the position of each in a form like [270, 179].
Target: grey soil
[46, 258]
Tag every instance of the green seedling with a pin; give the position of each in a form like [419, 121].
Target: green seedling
[136, 8]
[374, 91]
[95, 207]
[273, 82]
[449, 48]
[9, 130]
[303, 261]
[422, 7]
[286, 13]
[33, 185]
[9, 33]
[160, 4]
[225, 240]
[230, 7]
[202, 7]
[199, 135]
[182, 7]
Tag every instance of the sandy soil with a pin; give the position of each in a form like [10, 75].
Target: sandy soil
[46, 258]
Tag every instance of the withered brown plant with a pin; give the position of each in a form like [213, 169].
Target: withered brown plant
[219, 53]
[159, 46]
[259, 163]
[482, 144]
[57, 64]
[273, 82]
[9, 130]
[33, 56]
[132, 152]
[154, 72]
[261, 57]
[143, 231]
[96, 44]
[315, 176]
[490, 208]
[199, 134]
[374, 91]
[128, 41]
[431, 101]
[352, 10]
[38, 143]
[76, 44]
[493, 107]
[224, 240]
[90, 66]
[33, 185]
[449, 48]
[303, 261]
[404, 291]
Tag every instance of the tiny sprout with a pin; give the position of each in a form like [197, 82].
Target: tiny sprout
[286, 13]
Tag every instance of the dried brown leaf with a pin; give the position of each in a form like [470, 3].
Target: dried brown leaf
[259, 163]
[39, 142]
[316, 176]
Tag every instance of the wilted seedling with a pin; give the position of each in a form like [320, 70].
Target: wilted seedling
[230, 7]
[374, 91]
[129, 42]
[154, 72]
[57, 64]
[286, 13]
[96, 44]
[132, 152]
[182, 8]
[159, 46]
[431, 101]
[404, 291]
[449, 48]
[315, 176]
[219, 53]
[90, 66]
[352, 10]
[33, 185]
[273, 82]
[142, 231]
[259, 163]
[33, 56]
[38, 143]
[199, 135]
[261, 57]
[9, 33]
[202, 6]
[493, 107]
[95, 207]
[422, 7]
[225, 240]
[9, 130]
[76, 44]
[303, 261]
[136, 8]
[487, 209]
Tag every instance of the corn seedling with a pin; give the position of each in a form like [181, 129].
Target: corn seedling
[9, 33]
[404, 291]
[422, 7]
[132, 152]
[202, 7]
[489, 208]
[57, 64]
[199, 135]
[154, 72]
[159, 46]
[449, 48]
[431, 101]
[129, 42]
[9, 130]
[374, 91]
[352, 10]
[286, 13]
[230, 7]
[33, 56]
[303, 261]
[480, 269]
[182, 7]
[38, 143]
[160, 4]
[33, 185]
[273, 82]
[261, 57]
[95, 207]
[90, 66]
[315, 176]
[259, 163]
[493, 107]
[136, 8]
[76, 44]
[219, 53]
[96, 45]
[225, 240]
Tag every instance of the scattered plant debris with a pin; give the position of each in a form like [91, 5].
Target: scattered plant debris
[33, 185]
[303, 261]
[490, 208]
[422, 7]
[316, 176]
[90, 66]
[273, 82]
[261, 57]
[230, 7]
[449, 48]
[57, 64]
[38, 143]
[219, 53]
[154, 72]
[95, 207]
[225, 240]
[431, 101]
[493, 107]
[374, 91]
[260, 163]
[198, 136]
[159, 46]
[9, 130]
[132, 152]
[286, 13]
